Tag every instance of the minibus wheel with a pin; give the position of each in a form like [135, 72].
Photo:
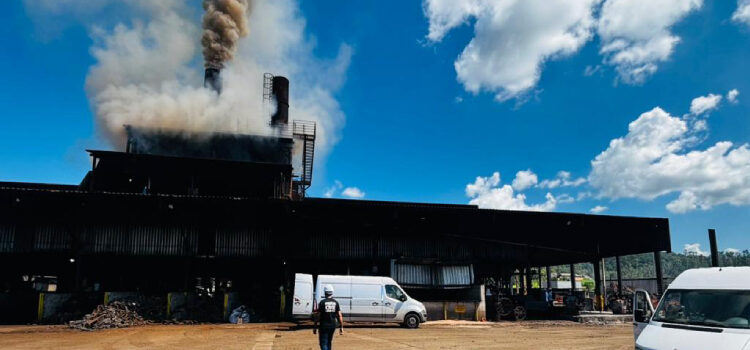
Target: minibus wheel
[411, 321]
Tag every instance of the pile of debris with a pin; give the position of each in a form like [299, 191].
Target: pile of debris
[116, 314]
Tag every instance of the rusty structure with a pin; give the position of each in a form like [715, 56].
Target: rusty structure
[225, 212]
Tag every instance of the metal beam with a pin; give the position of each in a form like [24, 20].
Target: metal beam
[619, 276]
[572, 278]
[659, 275]
[598, 283]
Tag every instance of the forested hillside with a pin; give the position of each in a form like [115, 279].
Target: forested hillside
[642, 265]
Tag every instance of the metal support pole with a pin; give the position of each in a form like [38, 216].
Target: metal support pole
[714, 248]
[572, 278]
[659, 276]
[619, 277]
[539, 273]
[598, 284]
[529, 279]
[549, 278]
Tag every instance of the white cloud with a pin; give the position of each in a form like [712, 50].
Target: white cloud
[636, 35]
[695, 249]
[591, 70]
[524, 179]
[732, 251]
[703, 104]
[512, 39]
[732, 95]
[487, 192]
[353, 192]
[687, 201]
[565, 199]
[658, 157]
[331, 191]
[742, 14]
[598, 209]
[563, 179]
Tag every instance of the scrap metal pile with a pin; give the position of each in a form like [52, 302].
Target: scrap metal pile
[116, 314]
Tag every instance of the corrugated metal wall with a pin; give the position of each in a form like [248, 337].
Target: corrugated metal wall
[432, 275]
[51, 238]
[236, 242]
[7, 238]
[142, 240]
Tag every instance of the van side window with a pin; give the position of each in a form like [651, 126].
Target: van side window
[393, 292]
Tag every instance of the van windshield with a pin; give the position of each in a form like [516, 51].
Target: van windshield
[714, 308]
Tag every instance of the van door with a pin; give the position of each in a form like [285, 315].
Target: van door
[394, 300]
[342, 292]
[367, 302]
[642, 311]
[302, 305]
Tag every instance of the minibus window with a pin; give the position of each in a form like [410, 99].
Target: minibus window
[394, 292]
[714, 308]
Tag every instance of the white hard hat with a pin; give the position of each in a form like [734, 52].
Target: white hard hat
[328, 289]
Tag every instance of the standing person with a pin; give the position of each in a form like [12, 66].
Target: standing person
[328, 314]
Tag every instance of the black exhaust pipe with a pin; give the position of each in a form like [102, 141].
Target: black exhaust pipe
[714, 248]
[212, 79]
[280, 91]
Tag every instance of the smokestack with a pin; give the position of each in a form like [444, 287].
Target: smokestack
[714, 247]
[212, 79]
[280, 91]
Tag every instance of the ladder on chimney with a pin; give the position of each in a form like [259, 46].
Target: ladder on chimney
[267, 93]
[305, 132]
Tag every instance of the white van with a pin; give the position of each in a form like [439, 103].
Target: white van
[362, 299]
[702, 309]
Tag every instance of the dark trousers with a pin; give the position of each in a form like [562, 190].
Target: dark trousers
[326, 338]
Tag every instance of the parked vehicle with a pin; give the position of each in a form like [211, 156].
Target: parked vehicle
[362, 299]
[702, 309]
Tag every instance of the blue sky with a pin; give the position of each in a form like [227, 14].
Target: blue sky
[407, 126]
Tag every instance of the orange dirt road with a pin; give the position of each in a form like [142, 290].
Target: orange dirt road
[433, 335]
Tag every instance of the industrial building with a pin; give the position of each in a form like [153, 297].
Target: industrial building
[223, 213]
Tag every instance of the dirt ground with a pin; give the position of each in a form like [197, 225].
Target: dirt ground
[432, 335]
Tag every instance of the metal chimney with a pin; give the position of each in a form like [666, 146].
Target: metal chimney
[714, 248]
[280, 91]
[212, 79]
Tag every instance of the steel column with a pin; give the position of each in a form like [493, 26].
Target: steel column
[714, 248]
[619, 276]
[572, 278]
[659, 275]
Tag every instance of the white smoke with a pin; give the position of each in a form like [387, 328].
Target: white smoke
[147, 73]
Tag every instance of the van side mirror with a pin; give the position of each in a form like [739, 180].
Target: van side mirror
[402, 298]
[641, 316]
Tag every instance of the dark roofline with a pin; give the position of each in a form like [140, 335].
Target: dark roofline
[369, 202]
[361, 202]
[97, 153]
[38, 186]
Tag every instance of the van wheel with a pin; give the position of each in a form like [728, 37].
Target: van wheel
[411, 321]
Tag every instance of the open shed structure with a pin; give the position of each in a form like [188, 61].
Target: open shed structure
[156, 243]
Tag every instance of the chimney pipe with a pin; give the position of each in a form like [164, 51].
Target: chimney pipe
[280, 91]
[714, 248]
[212, 79]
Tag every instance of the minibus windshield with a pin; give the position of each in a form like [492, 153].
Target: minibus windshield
[713, 308]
